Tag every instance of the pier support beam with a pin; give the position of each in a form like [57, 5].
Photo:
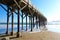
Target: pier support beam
[33, 21]
[12, 23]
[31, 24]
[26, 22]
[22, 20]
[39, 22]
[7, 20]
[44, 25]
[36, 22]
[18, 23]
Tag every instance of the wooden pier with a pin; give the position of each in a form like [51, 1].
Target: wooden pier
[26, 9]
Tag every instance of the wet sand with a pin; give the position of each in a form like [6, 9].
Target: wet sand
[44, 35]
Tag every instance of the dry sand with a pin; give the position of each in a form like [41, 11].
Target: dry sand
[44, 35]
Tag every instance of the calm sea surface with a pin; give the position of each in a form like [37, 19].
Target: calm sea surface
[3, 28]
[53, 28]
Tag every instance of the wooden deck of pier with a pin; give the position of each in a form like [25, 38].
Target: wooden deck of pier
[26, 9]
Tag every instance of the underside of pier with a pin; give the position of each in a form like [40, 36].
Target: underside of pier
[23, 6]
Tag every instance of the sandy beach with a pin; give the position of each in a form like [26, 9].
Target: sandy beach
[44, 35]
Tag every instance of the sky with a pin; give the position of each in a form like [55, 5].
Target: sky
[49, 8]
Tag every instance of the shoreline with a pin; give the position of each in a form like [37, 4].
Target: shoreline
[43, 35]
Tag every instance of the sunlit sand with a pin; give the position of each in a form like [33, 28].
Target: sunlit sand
[43, 35]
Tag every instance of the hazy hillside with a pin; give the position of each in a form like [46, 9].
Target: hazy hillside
[54, 23]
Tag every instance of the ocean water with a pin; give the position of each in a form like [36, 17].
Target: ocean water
[3, 28]
[53, 28]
